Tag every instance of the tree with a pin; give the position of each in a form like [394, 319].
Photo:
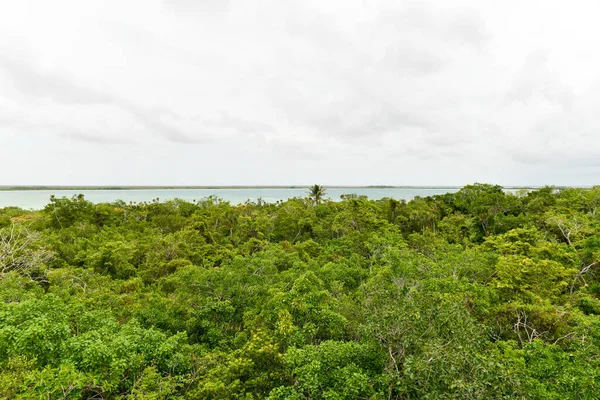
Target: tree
[316, 193]
[475, 294]
[22, 251]
[484, 202]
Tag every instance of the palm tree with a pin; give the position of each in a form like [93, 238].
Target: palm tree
[316, 193]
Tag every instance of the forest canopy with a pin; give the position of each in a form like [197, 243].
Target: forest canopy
[479, 294]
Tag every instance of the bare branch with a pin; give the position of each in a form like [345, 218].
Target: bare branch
[20, 251]
[580, 274]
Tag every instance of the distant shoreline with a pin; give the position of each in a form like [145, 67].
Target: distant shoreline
[36, 187]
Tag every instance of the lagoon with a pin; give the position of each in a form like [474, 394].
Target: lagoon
[37, 198]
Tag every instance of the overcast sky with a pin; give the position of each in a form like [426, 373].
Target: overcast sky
[348, 92]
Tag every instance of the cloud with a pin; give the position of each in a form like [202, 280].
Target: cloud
[271, 91]
[51, 85]
[58, 87]
[542, 121]
[197, 5]
[227, 121]
[384, 76]
[534, 79]
[86, 137]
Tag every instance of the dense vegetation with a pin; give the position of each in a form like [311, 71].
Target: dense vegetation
[476, 295]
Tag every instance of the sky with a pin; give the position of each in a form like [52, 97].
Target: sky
[284, 92]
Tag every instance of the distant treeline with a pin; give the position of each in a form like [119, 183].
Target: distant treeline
[40, 187]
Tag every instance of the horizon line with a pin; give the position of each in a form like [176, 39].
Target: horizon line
[175, 187]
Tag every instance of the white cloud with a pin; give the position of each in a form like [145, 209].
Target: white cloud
[295, 92]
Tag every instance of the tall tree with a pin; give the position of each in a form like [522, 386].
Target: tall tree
[316, 193]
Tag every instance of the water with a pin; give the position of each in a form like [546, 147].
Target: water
[37, 199]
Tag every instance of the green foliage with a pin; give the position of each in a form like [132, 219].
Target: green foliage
[333, 370]
[480, 294]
